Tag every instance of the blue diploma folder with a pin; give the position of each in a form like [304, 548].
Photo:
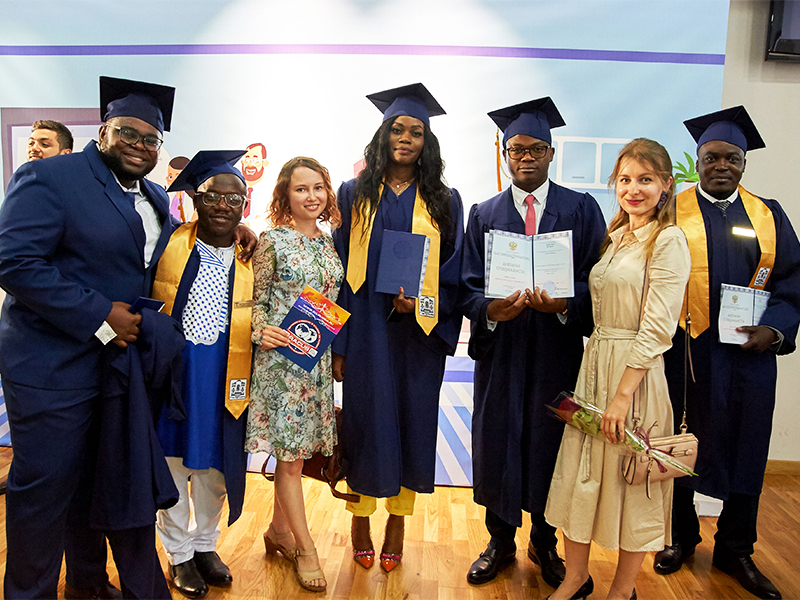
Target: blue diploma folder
[142, 302]
[402, 263]
[312, 323]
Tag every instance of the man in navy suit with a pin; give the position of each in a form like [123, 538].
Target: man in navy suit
[527, 347]
[79, 237]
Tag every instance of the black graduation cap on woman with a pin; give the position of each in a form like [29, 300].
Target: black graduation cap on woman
[411, 100]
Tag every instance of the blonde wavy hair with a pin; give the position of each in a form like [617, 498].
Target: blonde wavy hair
[656, 157]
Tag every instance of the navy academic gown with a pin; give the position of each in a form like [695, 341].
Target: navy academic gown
[524, 363]
[393, 371]
[730, 406]
[133, 480]
[234, 457]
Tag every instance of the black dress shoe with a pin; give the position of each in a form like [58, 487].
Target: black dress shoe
[490, 563]
[671, 558]
[104, 592]
[212, 569]
[553, 570]
[187, 579]
[585, 590]
[747, 574]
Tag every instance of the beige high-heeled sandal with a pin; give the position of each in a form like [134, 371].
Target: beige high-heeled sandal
[274, 544]
[304, 578]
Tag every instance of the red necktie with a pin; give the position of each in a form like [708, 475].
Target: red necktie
[530, 216]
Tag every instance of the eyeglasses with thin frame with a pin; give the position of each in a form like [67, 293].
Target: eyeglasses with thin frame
[131, 136]
[517, 152]
[213, 198]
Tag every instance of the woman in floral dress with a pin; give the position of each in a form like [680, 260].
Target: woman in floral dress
[291, 411]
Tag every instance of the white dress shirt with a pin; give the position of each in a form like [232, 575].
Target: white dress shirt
[540, 193]
[152, 230]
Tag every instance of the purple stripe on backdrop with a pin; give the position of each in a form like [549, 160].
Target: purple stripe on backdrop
[422, 50]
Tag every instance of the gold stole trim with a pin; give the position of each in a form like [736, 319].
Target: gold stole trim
[171, 266]
[690, 219]
[421, 224]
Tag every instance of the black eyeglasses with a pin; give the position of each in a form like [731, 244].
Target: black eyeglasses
[213, 198]
[130, 136]
[517, 152]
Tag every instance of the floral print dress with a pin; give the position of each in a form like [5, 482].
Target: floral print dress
[291, 411]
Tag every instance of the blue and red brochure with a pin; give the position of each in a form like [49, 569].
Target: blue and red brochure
[312, 323]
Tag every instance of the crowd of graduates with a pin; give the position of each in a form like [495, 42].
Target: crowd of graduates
[124, 418]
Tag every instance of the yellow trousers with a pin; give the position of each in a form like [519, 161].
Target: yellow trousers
[401, 505]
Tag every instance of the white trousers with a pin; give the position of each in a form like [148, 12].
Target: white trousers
[181, 534]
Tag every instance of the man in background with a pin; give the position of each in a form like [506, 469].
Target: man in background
[48, 138]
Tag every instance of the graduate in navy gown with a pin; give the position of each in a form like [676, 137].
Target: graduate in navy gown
[741, 239]
[394, 347]
[527, 347]
[209, 292]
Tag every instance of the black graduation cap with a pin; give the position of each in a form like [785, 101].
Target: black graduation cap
[204, 165]
[412, 100]
[732, 125]
[150, 102]
[534, 118]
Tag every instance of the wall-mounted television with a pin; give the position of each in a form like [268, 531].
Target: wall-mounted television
[783, 37]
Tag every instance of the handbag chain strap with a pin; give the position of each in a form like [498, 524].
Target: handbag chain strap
[645, 290]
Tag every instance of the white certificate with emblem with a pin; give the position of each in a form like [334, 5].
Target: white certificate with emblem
[739, 307]
[509, 263]
[516, 261]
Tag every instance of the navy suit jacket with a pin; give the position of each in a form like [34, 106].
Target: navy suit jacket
[71, 242]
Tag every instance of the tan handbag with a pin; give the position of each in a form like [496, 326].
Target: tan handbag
[641, 468]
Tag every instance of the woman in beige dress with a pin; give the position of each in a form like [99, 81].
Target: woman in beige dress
[589, 499]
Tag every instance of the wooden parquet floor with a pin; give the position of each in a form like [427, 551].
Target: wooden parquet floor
[447, 533]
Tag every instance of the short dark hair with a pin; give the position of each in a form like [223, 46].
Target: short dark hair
[63, 134]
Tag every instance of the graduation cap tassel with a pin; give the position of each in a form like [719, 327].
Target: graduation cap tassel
[497, 149]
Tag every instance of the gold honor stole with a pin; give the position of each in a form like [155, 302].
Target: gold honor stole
[427, 305]
[690, 220]
[171, 266]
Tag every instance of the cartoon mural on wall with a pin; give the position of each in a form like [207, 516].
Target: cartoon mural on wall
[253, 166]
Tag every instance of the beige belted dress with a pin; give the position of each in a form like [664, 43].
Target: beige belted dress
[589, 499]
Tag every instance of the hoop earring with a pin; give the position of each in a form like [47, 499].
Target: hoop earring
[662, 201]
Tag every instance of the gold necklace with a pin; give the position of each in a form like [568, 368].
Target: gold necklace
[399, 188]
